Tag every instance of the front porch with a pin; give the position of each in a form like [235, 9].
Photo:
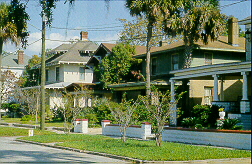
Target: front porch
[229, 83]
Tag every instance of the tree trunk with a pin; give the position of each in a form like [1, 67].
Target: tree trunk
[159, 139]
[148, 47]
[124, 134]
[188, 56]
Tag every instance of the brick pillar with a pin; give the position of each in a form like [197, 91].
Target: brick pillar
[20, 57]
[146, 130]
[104, 123]
[81, 126]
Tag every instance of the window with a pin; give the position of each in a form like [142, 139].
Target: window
[208, 58]
[47, 74]
[175, 61]
[208, 96]
[57, 71]
[154, 66]
[82, 73]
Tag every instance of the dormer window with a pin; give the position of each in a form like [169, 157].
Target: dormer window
[86, 53]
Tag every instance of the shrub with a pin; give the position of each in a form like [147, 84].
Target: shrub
[231, 124]
[189, 122]
[28, 118]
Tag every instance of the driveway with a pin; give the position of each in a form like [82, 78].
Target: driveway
[12, 151]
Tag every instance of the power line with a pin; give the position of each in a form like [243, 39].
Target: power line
[224, 6]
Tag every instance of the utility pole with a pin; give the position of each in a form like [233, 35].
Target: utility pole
[42, 117]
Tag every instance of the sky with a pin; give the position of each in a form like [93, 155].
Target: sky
[99, 18]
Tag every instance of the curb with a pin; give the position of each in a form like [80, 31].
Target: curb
[85, 151]
[239, 160]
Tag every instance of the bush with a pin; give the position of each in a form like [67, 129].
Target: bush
[28, 118]
[189, 122]
[231, 124]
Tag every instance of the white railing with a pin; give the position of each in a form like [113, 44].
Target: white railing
[134, 131]
[222, 138]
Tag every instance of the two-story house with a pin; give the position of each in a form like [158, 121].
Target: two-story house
[68, 66]
[167, 70]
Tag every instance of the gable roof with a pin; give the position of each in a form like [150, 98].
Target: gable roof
[109, 46]
[71, 53]
[221, 44]
[11, 61]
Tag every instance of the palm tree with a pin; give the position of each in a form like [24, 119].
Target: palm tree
[196, 20]
[153, 10]
[12, 28]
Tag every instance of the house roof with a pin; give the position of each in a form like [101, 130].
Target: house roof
[219, 45]
[70, 53]
[108, 47]
[11, 61]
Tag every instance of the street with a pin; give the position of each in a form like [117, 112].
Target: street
[12, 151]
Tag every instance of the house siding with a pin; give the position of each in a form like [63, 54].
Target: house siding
[217, 57]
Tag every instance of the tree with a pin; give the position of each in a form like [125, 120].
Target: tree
[31, 76]
[71, 104]
[122, 113]
[13, 26]
[134, 33]
[195, 20]
[8, 85]
[117, 64]
[151, 11]
[160, 107]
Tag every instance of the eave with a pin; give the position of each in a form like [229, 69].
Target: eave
[210, 70]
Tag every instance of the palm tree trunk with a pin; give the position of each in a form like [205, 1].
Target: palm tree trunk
[148, 47]
[188, 56]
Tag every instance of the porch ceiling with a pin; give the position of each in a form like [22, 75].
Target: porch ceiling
[206, 72]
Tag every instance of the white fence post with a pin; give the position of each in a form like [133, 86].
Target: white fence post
[81, 126]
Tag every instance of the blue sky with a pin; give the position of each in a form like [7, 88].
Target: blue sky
[93, 16]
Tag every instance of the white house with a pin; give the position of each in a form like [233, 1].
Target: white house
[68, 66]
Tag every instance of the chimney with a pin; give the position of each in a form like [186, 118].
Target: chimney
[233, 31]
[83, 36]
[163, 43]
[20, 57]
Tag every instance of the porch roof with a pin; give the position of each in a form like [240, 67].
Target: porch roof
[139, 85]
[58, 85]
[209, 70]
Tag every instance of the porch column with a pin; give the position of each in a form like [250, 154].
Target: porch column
[216, 97]
[245, 103]
[173, 118]
[221, 90]
[245, 86]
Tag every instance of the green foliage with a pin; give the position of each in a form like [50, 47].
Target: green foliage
[231, 124]
[117, 64]
[189, 122]
[10, 131]
[142, 150]
[202, 114]
[28, 118]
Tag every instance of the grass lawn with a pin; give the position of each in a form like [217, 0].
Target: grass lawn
[10, 131]
[144, 150]
[18, 120]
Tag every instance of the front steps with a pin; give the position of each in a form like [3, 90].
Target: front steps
[244, 118]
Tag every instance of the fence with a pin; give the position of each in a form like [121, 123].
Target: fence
[222, 138]
[134, 131]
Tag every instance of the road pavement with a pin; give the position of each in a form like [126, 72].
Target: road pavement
[12, 151]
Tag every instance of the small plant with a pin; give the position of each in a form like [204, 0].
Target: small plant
[28, 118]
[221, 110]
[231, 124]
[189, 122]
